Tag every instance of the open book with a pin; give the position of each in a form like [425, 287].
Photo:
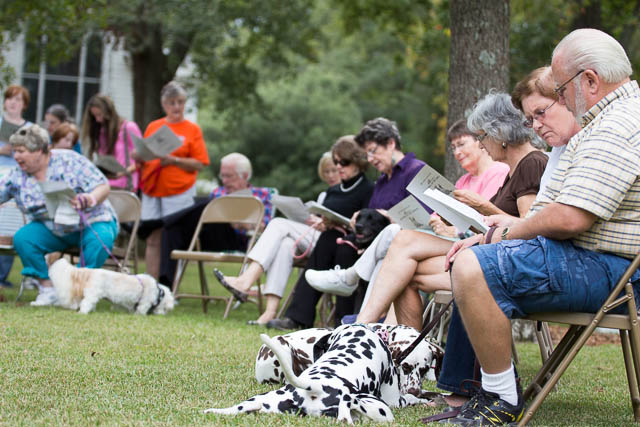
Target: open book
[457, 213]
[57, 197]
[428, 177]
[291, 207]
[109, 165]
[318, 209]
[411, 215]
[159, 144]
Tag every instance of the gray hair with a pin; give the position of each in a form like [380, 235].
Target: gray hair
[498, 118]
[33, 138]
[588, 48]
[241, 162]
[172, 90]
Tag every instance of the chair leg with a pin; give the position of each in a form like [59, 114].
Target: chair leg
[632, 379]
[550, 365]
[204, 288]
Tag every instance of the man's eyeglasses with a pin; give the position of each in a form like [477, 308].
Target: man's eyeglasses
[341, 162]
[560, 89]
[537, 115]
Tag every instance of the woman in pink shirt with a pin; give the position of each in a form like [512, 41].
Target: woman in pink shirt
[104, 132]
[481, 182]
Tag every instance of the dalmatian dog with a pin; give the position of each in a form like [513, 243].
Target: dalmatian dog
[355, 377]
[307, 345]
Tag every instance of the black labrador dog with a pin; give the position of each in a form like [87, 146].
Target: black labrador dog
[369, 223]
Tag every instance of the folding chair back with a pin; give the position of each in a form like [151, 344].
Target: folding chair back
[581, 327]
[128, 208]
[227, 209]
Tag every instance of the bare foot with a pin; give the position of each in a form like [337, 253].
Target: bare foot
[266, 316]
[236, 283]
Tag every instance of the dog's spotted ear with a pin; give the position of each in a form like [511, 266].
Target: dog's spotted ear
[320, 347]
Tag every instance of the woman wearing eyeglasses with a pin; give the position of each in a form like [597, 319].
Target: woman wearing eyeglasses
[349, 191]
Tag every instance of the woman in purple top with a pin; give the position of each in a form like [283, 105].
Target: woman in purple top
[381, 140]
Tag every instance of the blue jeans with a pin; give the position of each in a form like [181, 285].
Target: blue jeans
[6, 262]
[33, 241]
[527, 276]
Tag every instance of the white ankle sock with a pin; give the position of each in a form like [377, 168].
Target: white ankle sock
[503, 384]
[351, 276]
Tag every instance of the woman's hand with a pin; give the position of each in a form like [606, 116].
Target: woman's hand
[458, 246]
[440, 228]
[83, 201]
[169, 160]
[352, 221]
[470, 198]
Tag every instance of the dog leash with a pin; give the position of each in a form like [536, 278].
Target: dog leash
[424, 333]
[299, 240]
[84, 223]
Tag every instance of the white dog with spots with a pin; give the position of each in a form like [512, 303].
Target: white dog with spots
[355, 377]
[307, 345]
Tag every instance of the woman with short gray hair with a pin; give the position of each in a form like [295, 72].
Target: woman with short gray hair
[46, 231]
[168, 183]
[500, 129]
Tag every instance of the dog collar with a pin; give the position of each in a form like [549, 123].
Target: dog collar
[158, 298]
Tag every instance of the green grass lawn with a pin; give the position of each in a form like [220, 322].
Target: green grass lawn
[111, 367]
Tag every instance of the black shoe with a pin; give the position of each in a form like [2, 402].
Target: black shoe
[283, 324]
[487, 409]
[237, 293]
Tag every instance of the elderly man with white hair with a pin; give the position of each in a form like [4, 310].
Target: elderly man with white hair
[577, 239]
[235, 173]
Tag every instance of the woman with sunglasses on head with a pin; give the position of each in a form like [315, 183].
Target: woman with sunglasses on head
[274, 251]
[380, 139]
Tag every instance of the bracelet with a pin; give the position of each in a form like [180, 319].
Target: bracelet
[490, 234]
[175, 161]
[504, 233]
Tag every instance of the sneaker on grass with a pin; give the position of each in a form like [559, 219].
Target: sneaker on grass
[487, 409]
[331, 281]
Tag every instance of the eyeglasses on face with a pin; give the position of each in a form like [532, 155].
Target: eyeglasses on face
[537, 115]
[481, 136]
[372, 152]
[560, 89]
[341, 162]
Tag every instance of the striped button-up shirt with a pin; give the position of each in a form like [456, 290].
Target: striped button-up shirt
[600, 173]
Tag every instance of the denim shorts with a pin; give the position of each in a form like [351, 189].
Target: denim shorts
[538, 275]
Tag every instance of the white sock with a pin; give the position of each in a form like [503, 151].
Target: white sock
[503, 384]
[351, 276]
[46, 289]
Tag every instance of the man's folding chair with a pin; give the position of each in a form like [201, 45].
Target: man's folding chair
[227, 209]
[581, 327]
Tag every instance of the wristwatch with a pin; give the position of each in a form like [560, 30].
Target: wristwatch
[505, 231]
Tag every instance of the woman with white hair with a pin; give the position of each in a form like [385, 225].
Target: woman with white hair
[168, 184]
[45, 233]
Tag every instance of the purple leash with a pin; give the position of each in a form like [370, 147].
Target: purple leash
[85, 224]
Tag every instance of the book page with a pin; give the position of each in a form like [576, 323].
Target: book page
[429, 178]
[458, 214]
[159, 144]
[109, 164]
[410, 215]
[57, 197]
[318, 209]
[291, 207]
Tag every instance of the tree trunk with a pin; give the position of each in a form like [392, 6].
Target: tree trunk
[478, 59]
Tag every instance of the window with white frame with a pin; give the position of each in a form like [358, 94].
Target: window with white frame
[69, 83]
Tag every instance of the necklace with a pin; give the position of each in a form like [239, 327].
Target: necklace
[346, 190]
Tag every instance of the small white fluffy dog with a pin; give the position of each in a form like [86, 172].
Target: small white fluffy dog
[82, 288]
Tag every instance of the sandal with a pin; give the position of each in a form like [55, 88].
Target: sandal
[238, 294]
[255, 323]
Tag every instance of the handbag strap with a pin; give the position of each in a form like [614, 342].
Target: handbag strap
[127, 139]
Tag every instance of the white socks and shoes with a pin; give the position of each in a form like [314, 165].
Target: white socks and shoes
[502, 384]
[47, 296]
[337, 281]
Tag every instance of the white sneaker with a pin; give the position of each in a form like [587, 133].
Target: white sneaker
[45, 298]
[330, 281]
